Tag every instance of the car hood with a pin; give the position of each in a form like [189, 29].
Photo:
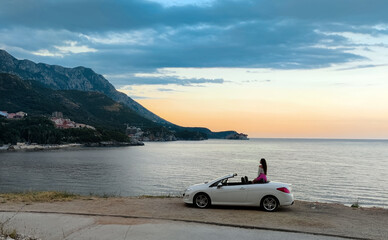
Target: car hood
[197, 186]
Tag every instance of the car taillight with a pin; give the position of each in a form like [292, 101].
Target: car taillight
[283, 189]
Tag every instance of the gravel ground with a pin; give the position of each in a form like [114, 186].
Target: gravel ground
[308, 217]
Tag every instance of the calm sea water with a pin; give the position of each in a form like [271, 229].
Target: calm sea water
[341, 171]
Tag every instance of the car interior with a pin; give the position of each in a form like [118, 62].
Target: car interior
[244, 181]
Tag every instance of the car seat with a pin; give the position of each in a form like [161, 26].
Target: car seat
[243, 181]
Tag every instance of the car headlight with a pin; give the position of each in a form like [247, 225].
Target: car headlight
[186, 194]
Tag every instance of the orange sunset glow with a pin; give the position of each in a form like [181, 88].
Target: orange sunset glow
[312, 106]
[260, 118]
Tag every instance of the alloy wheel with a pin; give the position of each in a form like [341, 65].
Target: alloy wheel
[202, 201]
[270, 204]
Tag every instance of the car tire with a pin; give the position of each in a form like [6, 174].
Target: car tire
[269, 203]
[202, 200]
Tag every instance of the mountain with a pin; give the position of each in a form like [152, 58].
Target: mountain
[85, 79]
[78, 78]
[211, 134]
[90, 108]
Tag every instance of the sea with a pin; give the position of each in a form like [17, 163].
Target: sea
[323, 170]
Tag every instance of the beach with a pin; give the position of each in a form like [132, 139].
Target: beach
[303, 217]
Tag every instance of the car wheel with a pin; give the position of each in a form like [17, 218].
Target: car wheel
[269, 203]
[202, 200]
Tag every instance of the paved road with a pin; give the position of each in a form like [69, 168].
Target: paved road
[61, 226]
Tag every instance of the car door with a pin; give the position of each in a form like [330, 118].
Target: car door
[255, 192]
[229, 195]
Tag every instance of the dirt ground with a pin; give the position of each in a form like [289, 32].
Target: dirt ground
[321, 218]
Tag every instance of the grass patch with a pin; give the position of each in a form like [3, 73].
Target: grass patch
[49, 196]
[13, 234]
[355, 204]
[101, 195]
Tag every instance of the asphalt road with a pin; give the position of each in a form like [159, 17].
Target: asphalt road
[62, 226]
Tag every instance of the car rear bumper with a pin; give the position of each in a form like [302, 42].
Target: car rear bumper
[288, 203]
[287, 200]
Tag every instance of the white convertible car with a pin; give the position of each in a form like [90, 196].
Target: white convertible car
[221, 191]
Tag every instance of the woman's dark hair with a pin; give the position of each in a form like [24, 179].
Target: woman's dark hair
[264, 163]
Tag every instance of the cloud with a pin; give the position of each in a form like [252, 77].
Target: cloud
[150, 79]
[362, 66]
[115, 37]
[46, 53]
[141, 97]
[172, 3]
[166, 90]
[73, 47]
[257, 81]
[70, 47]
[97, 15]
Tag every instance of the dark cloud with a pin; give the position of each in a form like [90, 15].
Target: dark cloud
[165, 80]
[141, 36]
[97, 15]
[166, 90]
[141, 97]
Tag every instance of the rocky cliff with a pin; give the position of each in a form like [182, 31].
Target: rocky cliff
[85, 79]
[92, 108]
[78, 78]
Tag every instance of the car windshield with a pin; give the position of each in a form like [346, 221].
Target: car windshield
[224, 180]
[221, 178]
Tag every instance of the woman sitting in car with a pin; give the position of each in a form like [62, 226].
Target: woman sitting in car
[262, 173]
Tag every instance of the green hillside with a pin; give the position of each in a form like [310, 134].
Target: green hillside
[91, 108]
[86, 80]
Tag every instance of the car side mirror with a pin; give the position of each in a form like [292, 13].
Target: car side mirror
[219, 185]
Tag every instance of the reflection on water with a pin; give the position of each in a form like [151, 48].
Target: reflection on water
[320, 170]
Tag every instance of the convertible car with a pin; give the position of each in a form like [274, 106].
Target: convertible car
[223, 191]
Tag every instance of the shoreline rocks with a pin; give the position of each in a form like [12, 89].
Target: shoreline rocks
[237, 136]
[114, 144]
[37, 147]
[42, 147]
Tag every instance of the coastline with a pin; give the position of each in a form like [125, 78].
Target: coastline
[22, 147]
[37, 147]
[327, 219]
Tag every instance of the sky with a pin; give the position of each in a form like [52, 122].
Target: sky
[285, 68]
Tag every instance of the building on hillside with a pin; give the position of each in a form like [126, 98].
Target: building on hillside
[57, 114]
[134, 132]
[18, 115]
[11, 115]
[4, 114]
[65, 123]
